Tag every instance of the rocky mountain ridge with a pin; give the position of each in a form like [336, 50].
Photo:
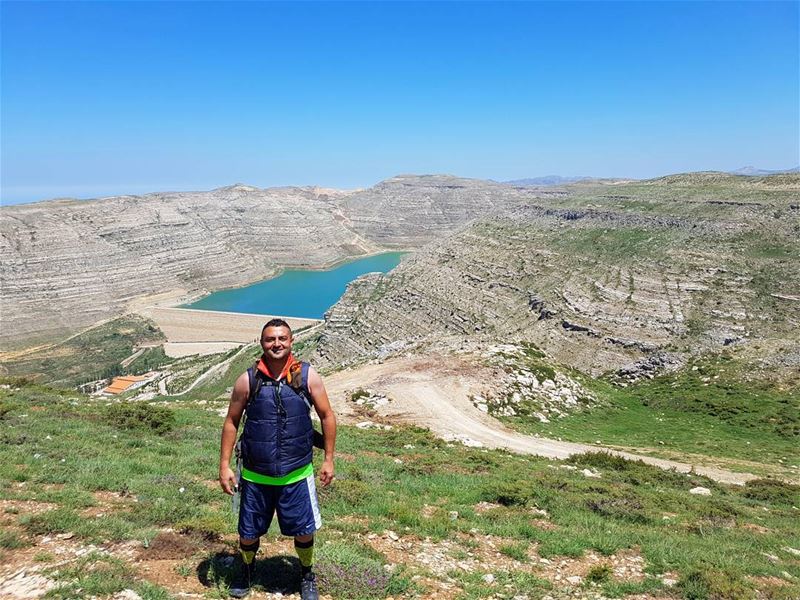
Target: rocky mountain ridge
[624, 276]
[68, 264]
[627, 277]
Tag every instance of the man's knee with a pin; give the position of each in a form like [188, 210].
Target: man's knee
[304, 538]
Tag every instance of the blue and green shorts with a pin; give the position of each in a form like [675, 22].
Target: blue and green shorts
[295, 503]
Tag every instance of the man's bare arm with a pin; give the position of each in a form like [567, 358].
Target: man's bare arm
[230, 427]
[323, 407]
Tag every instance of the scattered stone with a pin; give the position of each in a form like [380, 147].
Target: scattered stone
[126, 595]
[372, 425]
[524, 386]
[463, 439]
[700, 491]
[575, 579]
[25, 584]
[488, 578]
[791, 550]
[591, 473]
[368, 398]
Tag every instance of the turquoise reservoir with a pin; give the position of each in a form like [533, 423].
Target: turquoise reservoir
[297, 293]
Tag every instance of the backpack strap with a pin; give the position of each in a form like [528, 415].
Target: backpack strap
[298, 380]
[256, 381]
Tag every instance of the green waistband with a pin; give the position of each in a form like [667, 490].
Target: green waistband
[292, 477]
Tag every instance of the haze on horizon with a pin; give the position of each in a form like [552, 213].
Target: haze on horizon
[112, 98]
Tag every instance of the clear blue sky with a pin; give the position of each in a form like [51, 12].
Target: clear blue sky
[118, 97]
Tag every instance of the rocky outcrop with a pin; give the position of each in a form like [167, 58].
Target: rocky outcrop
[530, 386]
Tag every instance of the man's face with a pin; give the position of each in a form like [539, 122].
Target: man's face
[276, 342]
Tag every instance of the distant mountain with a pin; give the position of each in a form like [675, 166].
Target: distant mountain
[546, 180]
[749, 170]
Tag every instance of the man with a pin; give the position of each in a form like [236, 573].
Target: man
[276, 450]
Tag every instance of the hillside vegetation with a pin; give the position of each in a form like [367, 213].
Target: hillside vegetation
[98, 497]
[96, 353]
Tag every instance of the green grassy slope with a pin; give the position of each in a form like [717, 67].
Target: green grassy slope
[159, 462]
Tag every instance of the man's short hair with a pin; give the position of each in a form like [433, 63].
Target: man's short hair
[275, 323]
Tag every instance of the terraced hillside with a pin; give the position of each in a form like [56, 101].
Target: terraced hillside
[90, 260]
[629, 276]
[67, 265]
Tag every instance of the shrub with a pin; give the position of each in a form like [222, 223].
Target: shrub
[10, 540]
[140, 416]
[601, 460]
[508, 493]
[620, 506]
[359, 394]
[599, 574]
[772, 490]
[713, 584]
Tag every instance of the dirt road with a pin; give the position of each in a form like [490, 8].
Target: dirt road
[434, 392]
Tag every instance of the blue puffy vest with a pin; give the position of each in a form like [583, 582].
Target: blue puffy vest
[278, 434]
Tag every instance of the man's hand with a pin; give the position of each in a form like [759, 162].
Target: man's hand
[227, 479]
[326, 472]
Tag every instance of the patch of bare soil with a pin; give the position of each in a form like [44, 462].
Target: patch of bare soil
[755, 527]
[626, 565]
[106, 502]
[174, 575]
[11, 509]
[169, 545]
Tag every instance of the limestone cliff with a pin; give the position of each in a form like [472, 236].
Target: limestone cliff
[68, 264]
[628, 276]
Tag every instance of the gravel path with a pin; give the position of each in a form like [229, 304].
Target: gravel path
[434, 392]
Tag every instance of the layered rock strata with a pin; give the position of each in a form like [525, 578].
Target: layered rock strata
[411, 210]
[633, 280]
[68, 264]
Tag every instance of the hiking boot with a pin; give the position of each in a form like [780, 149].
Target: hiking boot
[240, 586]
[308, 587]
